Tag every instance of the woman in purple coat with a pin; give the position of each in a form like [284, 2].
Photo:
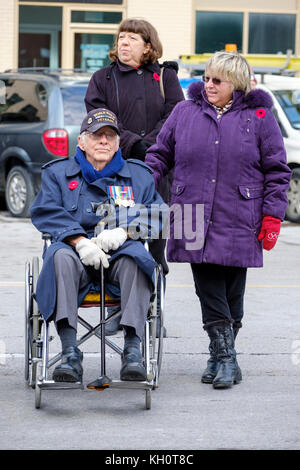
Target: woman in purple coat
[229, 164]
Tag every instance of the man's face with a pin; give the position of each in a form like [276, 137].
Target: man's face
[100, 146]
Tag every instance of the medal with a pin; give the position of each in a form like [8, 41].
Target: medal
[122, 195]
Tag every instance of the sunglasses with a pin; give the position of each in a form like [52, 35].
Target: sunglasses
[216, 81]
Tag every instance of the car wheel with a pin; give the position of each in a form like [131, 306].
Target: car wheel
[293, 194]
[19, 192]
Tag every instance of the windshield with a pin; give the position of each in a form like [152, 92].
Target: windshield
[74, 107]
[289, 100]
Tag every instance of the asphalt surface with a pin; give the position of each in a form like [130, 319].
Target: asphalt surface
[263, 412]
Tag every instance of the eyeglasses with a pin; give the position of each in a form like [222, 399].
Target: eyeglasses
[110, 135]
[216, 81]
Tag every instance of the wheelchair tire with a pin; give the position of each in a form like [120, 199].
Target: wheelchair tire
[33, 326]
[28, 293]
[160, 322]
[148, 399]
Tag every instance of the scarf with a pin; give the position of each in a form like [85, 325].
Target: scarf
[223, 110]
[90, 174]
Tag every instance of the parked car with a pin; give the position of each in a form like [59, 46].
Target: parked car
[285, 92]
[40, 116]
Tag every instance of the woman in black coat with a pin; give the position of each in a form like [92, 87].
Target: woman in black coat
[131, 87]
[142, 93]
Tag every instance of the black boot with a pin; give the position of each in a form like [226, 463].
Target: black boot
[221, 336]
[236, 328]
[212, 366]
[132, 367]
[70, 369]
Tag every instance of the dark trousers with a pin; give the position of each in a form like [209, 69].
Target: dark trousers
[220, 290]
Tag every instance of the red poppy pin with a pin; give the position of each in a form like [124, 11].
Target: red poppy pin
[260, 113]
[156, 77]
[73, 185]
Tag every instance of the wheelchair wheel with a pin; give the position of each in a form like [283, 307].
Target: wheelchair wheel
[32, 322]
[156, 329]
[148, 399]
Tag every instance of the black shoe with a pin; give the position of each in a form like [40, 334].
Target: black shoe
[132, 367]
[211, 371]
[70, 368]
[222, 342]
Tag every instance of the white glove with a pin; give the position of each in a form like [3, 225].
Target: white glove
[90, 254]
[110, 239]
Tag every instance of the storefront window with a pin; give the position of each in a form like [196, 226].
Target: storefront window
[271, 33]
[91, 50]
[215, 29]
[96, 17]
[40, 36]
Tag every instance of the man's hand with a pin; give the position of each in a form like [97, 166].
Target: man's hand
[269, 231]
[110, 239]
[90, 254]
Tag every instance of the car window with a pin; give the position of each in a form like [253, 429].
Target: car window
[74, 107]
[23, 101]
[289, 100]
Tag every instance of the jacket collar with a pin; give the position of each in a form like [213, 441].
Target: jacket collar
[149, 66]
[253, 99]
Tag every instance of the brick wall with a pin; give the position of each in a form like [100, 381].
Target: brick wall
[174, 21]
[7, 12]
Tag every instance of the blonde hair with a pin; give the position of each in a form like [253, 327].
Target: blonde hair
[231, 66]
[147, 32]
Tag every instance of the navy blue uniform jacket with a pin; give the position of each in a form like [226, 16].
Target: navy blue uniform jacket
[63, 208]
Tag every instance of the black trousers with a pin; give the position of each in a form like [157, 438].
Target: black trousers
[220, 290]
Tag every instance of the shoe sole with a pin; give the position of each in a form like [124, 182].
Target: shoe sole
[133, 374]
[65, 376]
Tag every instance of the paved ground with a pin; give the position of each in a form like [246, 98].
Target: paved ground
[263, 412]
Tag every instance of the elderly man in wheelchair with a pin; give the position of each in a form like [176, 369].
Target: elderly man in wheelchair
[67, 207]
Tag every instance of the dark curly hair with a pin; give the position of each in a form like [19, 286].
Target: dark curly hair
[147, 32]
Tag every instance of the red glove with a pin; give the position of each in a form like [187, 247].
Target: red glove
[269, 231]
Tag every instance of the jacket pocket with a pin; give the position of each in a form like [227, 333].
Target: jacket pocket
[177, 189]
[251, 192]
[251, 204]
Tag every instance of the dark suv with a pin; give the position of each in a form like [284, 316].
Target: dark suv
[40, 117]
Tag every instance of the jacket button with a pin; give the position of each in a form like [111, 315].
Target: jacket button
[213, 180]
[216, 142]
[139, 72]
[73, 207]
[142, 133]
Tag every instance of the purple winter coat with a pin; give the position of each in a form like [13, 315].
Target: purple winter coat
[235, 166]
[134, 96]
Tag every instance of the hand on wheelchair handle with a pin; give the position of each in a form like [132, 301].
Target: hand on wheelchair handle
[90, 254]
[110, 239]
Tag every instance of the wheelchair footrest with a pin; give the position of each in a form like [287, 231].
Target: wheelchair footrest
[101, 383]
[131, 384]
[51, 385]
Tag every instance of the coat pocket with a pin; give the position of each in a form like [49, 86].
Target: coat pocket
[177, 189]
[250, 207]
[251, 192]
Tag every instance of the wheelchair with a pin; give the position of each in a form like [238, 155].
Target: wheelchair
[38, 338]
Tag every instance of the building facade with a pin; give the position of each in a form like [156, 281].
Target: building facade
[68, 34]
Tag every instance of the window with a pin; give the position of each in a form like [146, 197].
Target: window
[25, 101]
[96, 17]
[40, 36]
[74, 107]
[215, 29]
[271, 33]
[290, 102]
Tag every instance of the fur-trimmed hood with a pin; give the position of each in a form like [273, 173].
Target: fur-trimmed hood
[254, 99]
